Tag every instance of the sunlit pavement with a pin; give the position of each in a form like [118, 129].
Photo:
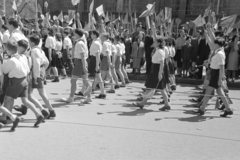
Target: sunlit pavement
[113, 129]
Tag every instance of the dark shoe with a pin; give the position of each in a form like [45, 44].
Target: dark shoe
[39, 120]
[45, 113]
[23, 109]
[162, 102]
[226, 113]
[138, 105]
[79, 94]
[173, 87]
[55, 80]
[194, 100]
[116, 86]
[165, 108]
[1, 125]
[222, 107]
[139, 98]
[52, 114]
[45, 82]
[101, 96]
[200, 112]
[111, 91]
[122, 85]
[15, 124]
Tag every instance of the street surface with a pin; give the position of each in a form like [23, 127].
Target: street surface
[113, 129]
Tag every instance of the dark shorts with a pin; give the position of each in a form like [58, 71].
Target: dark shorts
[214, 77]
[92, 66]
[78, 68]
[104, 64]
[39, 84]
[171, 67]
[18, 87]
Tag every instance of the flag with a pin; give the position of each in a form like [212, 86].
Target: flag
[151, 8]
[229, 21]
[207, 11]
[200, 21]
[119, 5]
[216, 25]
[135, 18]
[148, 22]
[170, 27]
[144, 14]
[100, 10]
[19, 2]
[168, 14]
[46, 4]
[91, 7]
[125, 21]
[14, 6]
[107, 18]
[71, 14]
[237, 25]
[75, 2]
[130, 6]
[39, 8]
[60, 17]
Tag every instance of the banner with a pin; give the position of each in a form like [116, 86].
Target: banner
[100, 10]
[75, 2]
[91, 7]
[119, 5]
[168, 14]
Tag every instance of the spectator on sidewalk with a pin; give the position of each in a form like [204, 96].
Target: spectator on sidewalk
[186, 56]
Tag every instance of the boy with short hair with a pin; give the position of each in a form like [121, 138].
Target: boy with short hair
[17, 69]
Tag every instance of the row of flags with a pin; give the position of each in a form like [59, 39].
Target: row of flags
[163, 18]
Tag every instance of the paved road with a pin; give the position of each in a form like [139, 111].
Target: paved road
[112, 129]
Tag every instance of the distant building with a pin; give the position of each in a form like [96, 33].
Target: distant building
[183, 9]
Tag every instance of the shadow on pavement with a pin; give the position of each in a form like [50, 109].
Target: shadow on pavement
[138, 112]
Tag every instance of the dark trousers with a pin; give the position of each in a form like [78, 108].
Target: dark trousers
[148, 64]
[199, 73]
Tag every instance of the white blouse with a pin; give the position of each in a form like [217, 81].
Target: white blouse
[107, 47]
[96, 47]
[218, 59]
[158, 56]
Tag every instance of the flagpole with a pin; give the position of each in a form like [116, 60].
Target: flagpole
[4, 7]
[36, 15]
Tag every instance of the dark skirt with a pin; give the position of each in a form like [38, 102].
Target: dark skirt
[152, 80]
[171, 67]
[214, 77]
[92, 66]
[104, 64]
[166, 72]
[178, 57]
[54, 59]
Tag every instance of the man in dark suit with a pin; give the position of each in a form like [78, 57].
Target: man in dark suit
[202, 53]
[195, 43]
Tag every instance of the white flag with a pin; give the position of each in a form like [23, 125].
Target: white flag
[91, 7]
[14, 6]
[75, 2]
[100, 10]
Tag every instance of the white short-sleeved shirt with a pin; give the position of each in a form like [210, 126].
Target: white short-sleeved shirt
[59, 46]
[67, 43]
[123, 48]
[107, 47]
[16, 67]
[218, 59]
[167, 52]
[158, 56]
[6, 36]
[96, 47]
[172, 51]
[80, 48]
[17, 35]
[119, 49]
[50, 42]
[114, 49]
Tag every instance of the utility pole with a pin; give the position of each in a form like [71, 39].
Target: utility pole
[218, 4]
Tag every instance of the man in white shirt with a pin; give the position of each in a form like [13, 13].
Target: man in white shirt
[15, 33]
[17, 68]
[80, 69]
[67, 48]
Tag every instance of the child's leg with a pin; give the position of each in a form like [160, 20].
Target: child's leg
[30, 105]
[44, 97]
